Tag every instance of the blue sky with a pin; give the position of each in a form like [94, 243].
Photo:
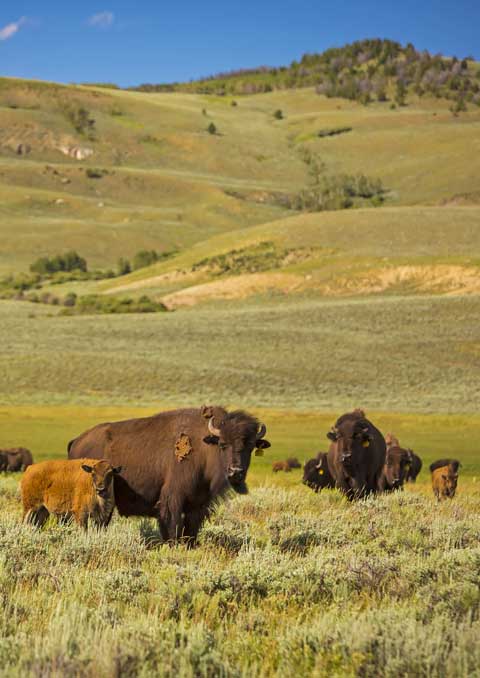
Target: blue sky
[129, 43]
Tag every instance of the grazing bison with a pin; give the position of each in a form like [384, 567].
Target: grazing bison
[444, 478]
[293, 462]
[395, 469]
[316, 473]
[357, 455]
[18, 459]
[175, 463]
[281, 466]
[82, 488]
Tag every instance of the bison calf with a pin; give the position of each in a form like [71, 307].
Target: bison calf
[80, 488]
[281, 466]
[444, 478]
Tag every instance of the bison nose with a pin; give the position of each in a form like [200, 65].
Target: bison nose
[236, 473]
[346, 456]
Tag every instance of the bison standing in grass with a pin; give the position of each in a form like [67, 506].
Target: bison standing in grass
[395, 469]
[81, 489]
[357, 455]
[444, 478]
[176, 464]
[414, 465]
[316, 473]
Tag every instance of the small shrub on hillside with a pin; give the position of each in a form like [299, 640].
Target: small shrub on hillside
[278, 115]
[98, 304]
[70, 261]
[123, 266]
[95, 173]
[211, 129]
[80, 118]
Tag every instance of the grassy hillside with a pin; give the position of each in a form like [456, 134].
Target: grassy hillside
[163, 181]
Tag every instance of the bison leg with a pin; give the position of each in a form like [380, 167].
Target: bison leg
[170, 517]
[37, 517]
[193, 523]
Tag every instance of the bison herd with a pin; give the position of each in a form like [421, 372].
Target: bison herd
[175, 465]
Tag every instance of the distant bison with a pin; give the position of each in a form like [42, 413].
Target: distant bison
[281, 466]
[293, 462]
[444, 478]
[395, 469]
[316, 474]
[17, 459]
[82, 489]
[414, 464]
[357, 455]
[175, 463]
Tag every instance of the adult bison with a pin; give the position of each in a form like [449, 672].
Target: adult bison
[395, 469]
[316, 474]
[175, 464]
[15, 459]
[414, 465]
[356, 455]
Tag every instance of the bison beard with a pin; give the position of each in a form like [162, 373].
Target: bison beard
[178, 490]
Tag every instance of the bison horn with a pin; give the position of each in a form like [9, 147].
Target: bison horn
[211, 427]
[262, 431]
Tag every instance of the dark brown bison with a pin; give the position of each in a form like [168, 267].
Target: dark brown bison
[17, 459]
[175, 464]
[281, 466]
[415, 466]
[395, 469]
[293, 462]
[357, 455]
[316, 473]
[444, 478]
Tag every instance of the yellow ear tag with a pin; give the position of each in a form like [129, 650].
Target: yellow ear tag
[366, 443]
[321, 472]
[259, 452]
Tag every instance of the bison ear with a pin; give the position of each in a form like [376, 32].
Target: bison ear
[262, 444]
[206, 411]
[211, 440]
[331, 435]
[117, 469]
[86, 468]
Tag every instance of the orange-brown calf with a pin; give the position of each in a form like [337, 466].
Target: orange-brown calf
[80, 488]
[444, 478]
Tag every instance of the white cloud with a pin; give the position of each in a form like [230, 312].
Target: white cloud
[9, 30]
[102, 19]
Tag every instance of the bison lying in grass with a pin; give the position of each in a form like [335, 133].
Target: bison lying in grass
[80, 489]
[316, 473]
[444, 478]
[281, 466]
[15, 459]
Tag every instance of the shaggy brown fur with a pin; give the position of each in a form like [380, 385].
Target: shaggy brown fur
[82, 489]
[293, 462]
[395, 469]
[316, 473]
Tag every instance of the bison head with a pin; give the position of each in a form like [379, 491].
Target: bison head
[315, 473]
[237, 435]
[350, 437]
[102, 473]
[449, 481]
[397, 463]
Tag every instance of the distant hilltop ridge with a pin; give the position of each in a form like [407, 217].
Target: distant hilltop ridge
[366, 70]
